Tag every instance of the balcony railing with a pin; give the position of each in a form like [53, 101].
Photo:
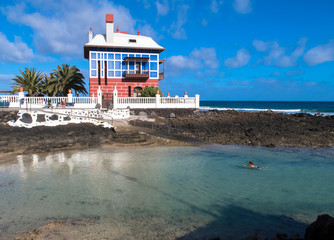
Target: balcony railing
[137, 75]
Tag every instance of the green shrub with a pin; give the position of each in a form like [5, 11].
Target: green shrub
[150, 92]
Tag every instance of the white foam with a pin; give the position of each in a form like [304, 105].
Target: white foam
[251, 109]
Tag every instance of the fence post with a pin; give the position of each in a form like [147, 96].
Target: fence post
[21, 96]
[115, 98]
[157, 100]
[69, 96]
[99, 96]
[197, 101]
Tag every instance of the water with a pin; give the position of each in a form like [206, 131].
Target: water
[326, 108]
[190, 192]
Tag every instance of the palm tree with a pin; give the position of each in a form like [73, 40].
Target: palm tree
[30, 81]
[63, 79]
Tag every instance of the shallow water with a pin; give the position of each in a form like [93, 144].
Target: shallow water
[199, 191]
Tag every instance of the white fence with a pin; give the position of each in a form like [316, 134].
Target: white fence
[20, 101]
[47, 102]
[156, 102]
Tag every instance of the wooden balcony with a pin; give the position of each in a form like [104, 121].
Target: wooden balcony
[136, 75]
[161, 76]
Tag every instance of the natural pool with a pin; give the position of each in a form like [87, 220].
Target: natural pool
[169, 192]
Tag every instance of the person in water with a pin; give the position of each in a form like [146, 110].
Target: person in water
[251, 165]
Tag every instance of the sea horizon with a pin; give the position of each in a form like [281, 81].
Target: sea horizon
[310, 107]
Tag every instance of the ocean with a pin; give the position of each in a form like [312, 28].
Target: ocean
[167, 192]
[326, 108]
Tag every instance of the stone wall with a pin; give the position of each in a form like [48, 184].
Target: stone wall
[164, 112]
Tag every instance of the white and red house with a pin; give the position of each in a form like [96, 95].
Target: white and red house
[125, 61]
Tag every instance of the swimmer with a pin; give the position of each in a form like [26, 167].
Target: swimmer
[251, 165]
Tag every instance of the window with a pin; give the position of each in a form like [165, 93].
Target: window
[124, 66]
[153, 74]
[154, 57]
[105, 56]
[132, 40]
[117, 56]
[110, 56]
[153, 66]
[145, 56]
[118, 65]
[93, 64]
[129, 91]
[118, 74]
[145, 66]
[93, 55]
[98, 56]
[110, 64]
[124, 56]
[93, 73]
[131, 65]
[111, 74]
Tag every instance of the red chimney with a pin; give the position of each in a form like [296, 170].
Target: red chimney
[117, 30]
[109, 28]
[110, 18]
[138, 32]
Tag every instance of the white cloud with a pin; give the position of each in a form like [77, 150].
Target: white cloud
[241, 59]
[242, 6]
[147, 30]
[176, 29]
[146, 3]
[214, 6]
[6, 77]
[14, 52]
[162, 8]
[204, 22]
[198, 59]
[277, 55]
[320, 54]
[265, 80]
[64, 32]
[294, 73]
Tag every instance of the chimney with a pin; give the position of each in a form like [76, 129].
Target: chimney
[109, 28]
[90, 34]
[138, 33]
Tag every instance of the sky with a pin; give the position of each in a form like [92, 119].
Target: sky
[260, 50]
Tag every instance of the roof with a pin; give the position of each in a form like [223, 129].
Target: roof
[122, 40]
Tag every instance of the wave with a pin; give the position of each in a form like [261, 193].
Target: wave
[251, 109]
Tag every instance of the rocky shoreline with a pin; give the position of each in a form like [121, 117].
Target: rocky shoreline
[175, 127]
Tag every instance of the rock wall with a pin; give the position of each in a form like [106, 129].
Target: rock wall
[6, 116]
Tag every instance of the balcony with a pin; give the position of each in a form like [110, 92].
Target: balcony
[161, 76]
[137, 75]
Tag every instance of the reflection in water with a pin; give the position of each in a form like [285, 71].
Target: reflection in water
[186, 187]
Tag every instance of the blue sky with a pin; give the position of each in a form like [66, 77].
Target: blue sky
[222, 50]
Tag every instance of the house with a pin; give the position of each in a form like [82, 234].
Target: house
[125, 61]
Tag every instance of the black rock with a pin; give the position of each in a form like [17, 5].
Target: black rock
[53, 117]
[26, 118]
[321, 229]
[40, 118]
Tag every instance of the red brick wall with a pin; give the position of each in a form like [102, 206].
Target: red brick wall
[121, 85]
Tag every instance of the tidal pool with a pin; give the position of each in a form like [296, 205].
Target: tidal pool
[169, 192]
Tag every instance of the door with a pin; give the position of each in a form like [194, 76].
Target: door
[137, 68]
[107, 100]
